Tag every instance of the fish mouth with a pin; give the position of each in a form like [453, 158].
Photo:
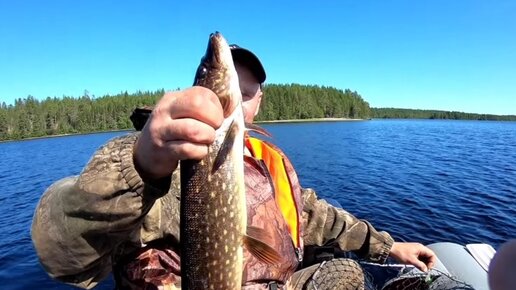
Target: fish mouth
[217, 72]
[218, 54]
[219, 49]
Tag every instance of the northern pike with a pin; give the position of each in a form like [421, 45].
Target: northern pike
[213, 204]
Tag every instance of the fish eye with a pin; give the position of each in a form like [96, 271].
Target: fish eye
[202, 72]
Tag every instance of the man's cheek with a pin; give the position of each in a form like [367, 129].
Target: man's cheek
[245, 109]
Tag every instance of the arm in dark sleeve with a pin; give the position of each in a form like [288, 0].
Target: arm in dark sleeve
[80, 220]
[324, 223]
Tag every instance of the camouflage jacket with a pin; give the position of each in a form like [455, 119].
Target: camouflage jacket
[107, 219]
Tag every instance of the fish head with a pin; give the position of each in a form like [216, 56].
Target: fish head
[217, 72]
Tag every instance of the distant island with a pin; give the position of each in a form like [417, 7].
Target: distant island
[394, 113]
[30, 118]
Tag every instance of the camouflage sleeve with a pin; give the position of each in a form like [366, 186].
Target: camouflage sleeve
[80, 220]
[324, 223]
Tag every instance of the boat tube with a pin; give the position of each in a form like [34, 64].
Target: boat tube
[457, 267]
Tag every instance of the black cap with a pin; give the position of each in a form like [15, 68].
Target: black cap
[250, 60]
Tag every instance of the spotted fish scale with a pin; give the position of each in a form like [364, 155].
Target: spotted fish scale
[213, 208]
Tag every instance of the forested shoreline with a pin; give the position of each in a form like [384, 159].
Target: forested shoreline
[396, 113]
[32, 118]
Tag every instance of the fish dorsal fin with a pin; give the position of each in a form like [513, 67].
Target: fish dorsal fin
[257, 129]
[255, 244]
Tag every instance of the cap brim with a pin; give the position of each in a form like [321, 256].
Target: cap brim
[250, 60]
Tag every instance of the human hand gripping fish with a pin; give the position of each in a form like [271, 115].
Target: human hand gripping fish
[213, 204]
[183, 126]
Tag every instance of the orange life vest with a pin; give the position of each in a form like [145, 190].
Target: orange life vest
[284, 194]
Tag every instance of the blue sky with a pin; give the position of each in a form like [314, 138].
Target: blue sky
[447, 55]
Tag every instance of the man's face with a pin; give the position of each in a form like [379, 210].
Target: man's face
[251, 92]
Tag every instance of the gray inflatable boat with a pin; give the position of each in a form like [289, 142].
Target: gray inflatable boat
[457, 267]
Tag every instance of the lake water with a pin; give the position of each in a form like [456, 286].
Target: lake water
[423, 181]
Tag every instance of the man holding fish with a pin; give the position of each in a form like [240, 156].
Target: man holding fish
[245, 220]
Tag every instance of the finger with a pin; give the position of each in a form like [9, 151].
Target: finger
[188, 130]
[428, 256]
[212, 97]
[431, 261]
[181, 150]
[151, 160]
[165, 158]
[420, 265]
[197, 103]
[430, 264]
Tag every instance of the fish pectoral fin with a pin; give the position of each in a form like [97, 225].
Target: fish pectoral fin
[257, 129]
[259, 248]
[226, 147]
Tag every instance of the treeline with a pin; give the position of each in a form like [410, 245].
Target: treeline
[394, 113]
[294, 101]
[30, 117]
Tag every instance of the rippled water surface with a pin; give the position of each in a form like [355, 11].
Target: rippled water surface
[424, 181]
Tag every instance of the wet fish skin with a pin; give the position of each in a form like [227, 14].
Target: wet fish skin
[213, 225]
[213, 207]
